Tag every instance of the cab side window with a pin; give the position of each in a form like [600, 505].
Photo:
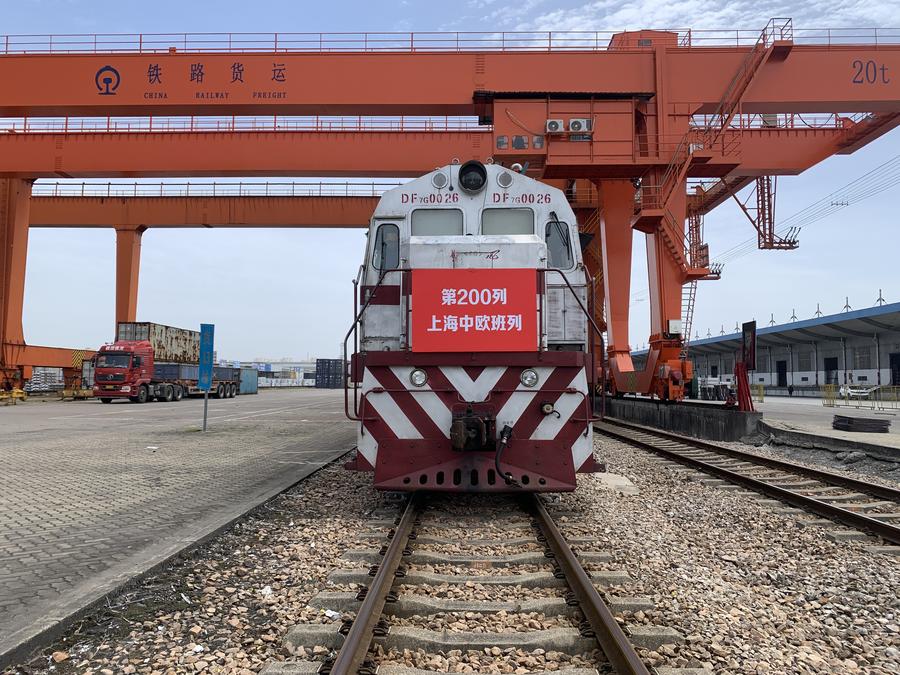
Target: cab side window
[559, 246]
[386, 254]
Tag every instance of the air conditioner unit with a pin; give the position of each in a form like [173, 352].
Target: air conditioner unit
[554, 126]
[674, 327]
[579, 125]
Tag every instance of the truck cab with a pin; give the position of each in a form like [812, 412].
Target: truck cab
[124, 370]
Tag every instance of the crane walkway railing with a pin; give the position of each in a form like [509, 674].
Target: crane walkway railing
[211, 189]
[468, 41]
[230, 124]
[791, 121]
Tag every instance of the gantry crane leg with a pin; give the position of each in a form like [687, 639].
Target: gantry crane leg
[16, 358]
[666, 277]
[128, 266]
[616, 212]
[665, 373]
[15, 195]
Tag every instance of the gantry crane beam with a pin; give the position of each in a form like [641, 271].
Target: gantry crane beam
[374, 153]
[132, 216]
[265, 153]
[812, 78]
[202, 211]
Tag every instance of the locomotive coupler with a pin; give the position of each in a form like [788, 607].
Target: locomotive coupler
[471, 431]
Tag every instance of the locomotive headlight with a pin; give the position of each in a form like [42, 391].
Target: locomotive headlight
[472, 177]
[529, 377]
[418, 377]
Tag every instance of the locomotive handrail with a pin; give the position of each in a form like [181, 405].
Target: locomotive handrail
[577, 299]
[352, 331]
[589, 318]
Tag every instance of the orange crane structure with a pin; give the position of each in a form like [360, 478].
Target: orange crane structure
[646, 130]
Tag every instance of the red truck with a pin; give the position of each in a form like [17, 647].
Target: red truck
[151, 361]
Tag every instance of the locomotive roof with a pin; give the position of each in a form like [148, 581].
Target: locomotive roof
[517, 182]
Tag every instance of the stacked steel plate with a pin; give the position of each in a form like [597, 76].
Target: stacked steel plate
[861, 424]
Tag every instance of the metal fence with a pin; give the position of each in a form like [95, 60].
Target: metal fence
[861, 397]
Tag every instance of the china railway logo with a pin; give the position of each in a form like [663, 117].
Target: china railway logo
[107, 80]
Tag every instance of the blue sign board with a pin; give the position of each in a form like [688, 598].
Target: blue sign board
[206, 356]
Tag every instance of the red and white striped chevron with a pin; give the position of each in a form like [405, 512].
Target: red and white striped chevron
[393, 410]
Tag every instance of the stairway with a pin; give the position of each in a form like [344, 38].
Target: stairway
[867, 130]
[593, 261]
[688, 298]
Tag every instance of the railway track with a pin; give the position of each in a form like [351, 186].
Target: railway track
[856, 503]
[537, 603]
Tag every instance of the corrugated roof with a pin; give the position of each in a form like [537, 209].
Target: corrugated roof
[857, 323]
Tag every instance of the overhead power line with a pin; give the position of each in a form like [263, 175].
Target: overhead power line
[879, 179]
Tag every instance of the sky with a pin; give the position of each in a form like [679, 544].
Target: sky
[288, 293]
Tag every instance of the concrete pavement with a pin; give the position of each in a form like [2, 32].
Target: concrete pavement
[808, 415]
[92, 495]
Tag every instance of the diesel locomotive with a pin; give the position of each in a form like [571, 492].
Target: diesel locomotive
[472, 353]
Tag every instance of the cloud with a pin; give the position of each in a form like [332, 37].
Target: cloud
[737, 14]
[508, 15]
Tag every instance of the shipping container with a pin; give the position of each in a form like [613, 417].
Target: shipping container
[329, 373]
[175, 371]
[226, 373]
[170, 345]
[249, 381]
[165, 371]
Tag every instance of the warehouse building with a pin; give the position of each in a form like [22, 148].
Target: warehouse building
[858, 348]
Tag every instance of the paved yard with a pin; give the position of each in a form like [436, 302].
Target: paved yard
[810, 416]
[92, 494]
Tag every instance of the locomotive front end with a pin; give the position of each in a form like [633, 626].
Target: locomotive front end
[472, 353]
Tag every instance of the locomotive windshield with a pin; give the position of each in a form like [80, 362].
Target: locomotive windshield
[507, 221]
[436, 222]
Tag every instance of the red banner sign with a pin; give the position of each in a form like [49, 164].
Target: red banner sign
[474, 310]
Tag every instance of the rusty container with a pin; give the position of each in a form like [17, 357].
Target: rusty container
[170, 344]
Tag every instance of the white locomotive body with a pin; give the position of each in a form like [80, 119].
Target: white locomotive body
[472, 341]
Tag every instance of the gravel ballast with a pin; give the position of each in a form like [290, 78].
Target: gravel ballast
[752, 591]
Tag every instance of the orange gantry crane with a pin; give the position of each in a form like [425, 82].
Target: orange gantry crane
[650, 130]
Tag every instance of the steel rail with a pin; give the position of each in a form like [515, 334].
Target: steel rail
[609, 634]
[358, 640]
[828, 477]
[884, 530]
